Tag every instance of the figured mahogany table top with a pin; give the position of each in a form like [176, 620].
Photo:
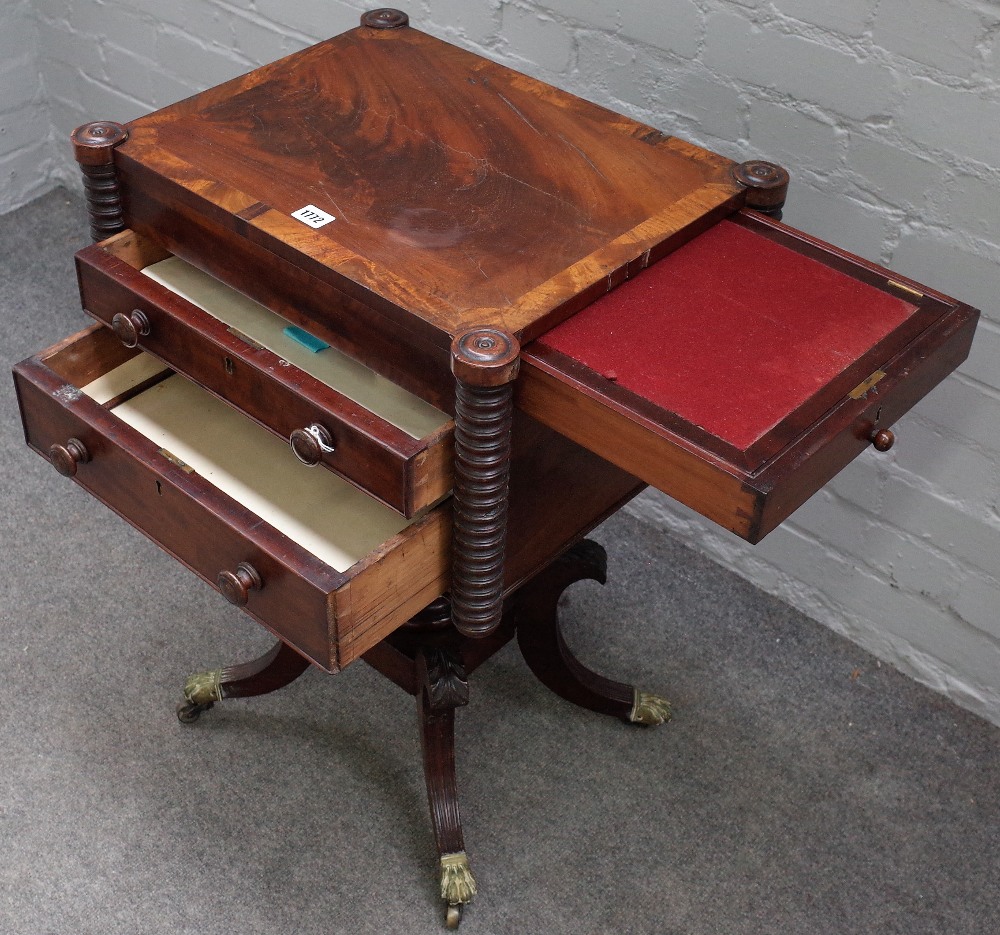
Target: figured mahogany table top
[463, 192]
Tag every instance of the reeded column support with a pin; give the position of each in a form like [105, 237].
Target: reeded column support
[766, 184]
[485, 363]
[93, 147]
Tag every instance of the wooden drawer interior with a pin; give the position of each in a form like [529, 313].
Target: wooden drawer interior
[386, 439]
[340, 570]
[744, 370]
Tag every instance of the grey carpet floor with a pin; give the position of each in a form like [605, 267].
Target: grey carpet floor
[801, 788]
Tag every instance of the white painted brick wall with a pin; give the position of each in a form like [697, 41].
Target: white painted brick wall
[887, 113]
[844, 18]
[938, 33]
[25, 124]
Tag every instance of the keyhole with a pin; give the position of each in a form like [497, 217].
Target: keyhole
[229, 366]
[159, 489]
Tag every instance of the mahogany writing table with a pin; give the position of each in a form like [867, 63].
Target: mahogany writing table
[384, 329]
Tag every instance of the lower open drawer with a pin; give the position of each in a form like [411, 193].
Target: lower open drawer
[327, 568]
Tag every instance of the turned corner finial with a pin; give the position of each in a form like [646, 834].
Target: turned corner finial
[94, 147]
[485, 357]
[485, 362]
[766, 184]
[93, 142]
[386, 18]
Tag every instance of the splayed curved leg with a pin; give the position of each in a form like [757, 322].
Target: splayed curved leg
[277, 668]
[442, 688]
[549, 658]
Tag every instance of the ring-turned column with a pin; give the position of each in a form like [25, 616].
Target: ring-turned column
[485, 362]
[93, 146]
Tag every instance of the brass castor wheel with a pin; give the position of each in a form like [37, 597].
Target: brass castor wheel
[452, 915]
[189, 712]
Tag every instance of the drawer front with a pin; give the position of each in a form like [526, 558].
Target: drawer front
[836, 439]
[406, 473]
[330, 617]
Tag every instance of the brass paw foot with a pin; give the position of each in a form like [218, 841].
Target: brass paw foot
[201, 691]
[458, 886]
[649, 709]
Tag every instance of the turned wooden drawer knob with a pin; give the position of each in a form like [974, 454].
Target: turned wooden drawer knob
[882, 440]
[65, 458]
[311, 443]
[237, 585]
[130, 327]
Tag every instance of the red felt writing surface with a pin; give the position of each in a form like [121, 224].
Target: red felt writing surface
[732, 332]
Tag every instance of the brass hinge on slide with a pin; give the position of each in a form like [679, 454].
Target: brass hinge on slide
[862, 388]
[173, 459]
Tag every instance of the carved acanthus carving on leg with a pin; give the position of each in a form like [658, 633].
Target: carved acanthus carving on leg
[444, 679]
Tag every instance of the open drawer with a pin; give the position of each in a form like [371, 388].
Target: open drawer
[743, 371]
[334, 410]
[328, 569]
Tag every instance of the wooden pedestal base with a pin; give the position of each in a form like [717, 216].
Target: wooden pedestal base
[431, 660]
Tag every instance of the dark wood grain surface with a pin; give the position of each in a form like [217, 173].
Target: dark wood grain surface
[464, 193]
